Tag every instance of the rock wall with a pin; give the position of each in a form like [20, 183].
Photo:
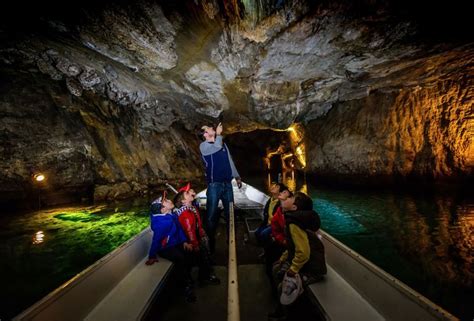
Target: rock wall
[87, 146]
[424, 134]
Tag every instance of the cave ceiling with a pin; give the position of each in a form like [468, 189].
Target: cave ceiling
[107, 97]
[263, 64]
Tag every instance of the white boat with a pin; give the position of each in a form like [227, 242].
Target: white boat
[356, 289]
[246, 198]
[121, 287]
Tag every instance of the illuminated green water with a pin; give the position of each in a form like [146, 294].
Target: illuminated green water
[40, 251]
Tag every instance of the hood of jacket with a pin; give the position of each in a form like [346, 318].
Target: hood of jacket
[306, 220]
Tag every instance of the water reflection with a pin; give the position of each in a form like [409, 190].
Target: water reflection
[38, 238]
[435, 234]
[290, 179]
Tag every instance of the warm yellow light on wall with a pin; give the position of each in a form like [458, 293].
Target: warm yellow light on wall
[296, 135]
[301, 155]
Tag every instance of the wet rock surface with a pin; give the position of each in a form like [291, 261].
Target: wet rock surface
[108, 98]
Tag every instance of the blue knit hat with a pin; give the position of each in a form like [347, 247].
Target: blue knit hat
[155, 207]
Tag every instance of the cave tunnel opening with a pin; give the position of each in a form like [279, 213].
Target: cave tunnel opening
[249, 150]
[264, 156]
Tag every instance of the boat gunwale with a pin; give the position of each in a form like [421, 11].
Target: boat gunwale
[67, 286]
[401, 287]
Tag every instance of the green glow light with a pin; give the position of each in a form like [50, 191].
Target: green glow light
[44, 249]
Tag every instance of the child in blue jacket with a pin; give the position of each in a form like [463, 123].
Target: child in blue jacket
[169, 241]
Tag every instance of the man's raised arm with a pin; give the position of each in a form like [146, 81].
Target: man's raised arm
[208, 148]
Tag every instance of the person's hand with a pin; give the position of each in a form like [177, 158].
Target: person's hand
[151, 261]
[281, 272]
[219, 129]
[196, 249]
[239, 182]
[290, 273]
[188, 247]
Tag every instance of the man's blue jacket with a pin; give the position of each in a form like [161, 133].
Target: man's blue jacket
[219, 164]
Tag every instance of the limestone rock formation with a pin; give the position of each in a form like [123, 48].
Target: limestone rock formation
[389, 137]
[107, 98]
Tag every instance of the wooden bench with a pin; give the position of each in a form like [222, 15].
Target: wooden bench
[117, 287]
[339, 301]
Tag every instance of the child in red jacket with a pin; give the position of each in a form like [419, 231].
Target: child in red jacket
[190, 220]
[277, 246]
[278, 219]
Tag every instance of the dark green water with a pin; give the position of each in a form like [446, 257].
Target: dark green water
[423, 239]
[39, 251]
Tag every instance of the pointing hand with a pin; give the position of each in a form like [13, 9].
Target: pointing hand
[219, 129]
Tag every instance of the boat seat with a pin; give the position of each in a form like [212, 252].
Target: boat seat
[339, 301]
[119, 286]
[131, 297]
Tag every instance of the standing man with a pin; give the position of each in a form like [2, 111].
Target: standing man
[220, 170]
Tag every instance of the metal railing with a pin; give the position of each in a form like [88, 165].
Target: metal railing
[233, 306]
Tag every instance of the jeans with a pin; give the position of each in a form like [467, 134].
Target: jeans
[264, 235]
[215, 192]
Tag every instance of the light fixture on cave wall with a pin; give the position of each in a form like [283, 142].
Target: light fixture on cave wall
[39, 177]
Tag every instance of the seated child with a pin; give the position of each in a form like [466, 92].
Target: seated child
[263, 233]
[170, 243]
[305, 251]
[278, 220]
[190, 221]
[277, 244]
